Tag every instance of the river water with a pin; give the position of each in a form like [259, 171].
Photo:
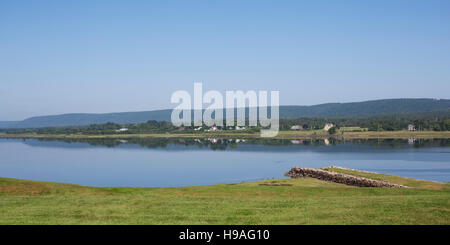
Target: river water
[173, 162]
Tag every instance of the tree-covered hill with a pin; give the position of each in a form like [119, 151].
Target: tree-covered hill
[353, 109]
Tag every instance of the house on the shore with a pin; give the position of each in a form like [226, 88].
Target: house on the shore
[297, 127]
[328, 126]
[411, 127]
[213, 128]
[122, 130]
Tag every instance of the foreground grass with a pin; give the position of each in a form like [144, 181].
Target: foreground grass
[307, 134]
[281, 201]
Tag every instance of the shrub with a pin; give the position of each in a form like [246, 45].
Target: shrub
[332, 130]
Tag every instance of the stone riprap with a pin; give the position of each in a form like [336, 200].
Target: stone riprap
[341, 178]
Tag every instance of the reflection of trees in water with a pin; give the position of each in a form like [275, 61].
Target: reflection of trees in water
[227, 143]
[395, 143]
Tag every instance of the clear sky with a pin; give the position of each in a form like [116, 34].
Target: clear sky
[110, 56]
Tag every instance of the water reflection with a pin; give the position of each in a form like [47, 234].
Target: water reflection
[233, 143]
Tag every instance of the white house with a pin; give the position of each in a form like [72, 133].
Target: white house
[297, 127]
[213, 128]
[411, 127]
[122, 130]
[328, 126]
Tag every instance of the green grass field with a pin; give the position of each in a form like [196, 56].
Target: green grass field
[279, 201]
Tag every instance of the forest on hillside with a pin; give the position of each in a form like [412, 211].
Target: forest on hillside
[380, 123]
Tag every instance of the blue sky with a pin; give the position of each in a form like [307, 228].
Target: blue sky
[110, 56]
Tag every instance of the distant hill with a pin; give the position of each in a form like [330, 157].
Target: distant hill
[8, 124]
[366, 108]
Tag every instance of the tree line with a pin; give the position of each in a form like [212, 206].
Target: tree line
[371, 124]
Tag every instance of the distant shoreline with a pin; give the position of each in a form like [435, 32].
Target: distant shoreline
[316, 134]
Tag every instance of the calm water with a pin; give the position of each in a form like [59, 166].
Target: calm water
[189, 162]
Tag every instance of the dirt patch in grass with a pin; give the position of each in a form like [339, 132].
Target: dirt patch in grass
[25, 188]
[275, 184]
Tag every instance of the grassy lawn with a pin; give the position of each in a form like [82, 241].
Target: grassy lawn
[396, 134]
[280, 201]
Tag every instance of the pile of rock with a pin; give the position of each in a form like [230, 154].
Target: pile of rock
[339, 178]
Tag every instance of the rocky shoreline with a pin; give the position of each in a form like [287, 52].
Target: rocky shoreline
[341, 178]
